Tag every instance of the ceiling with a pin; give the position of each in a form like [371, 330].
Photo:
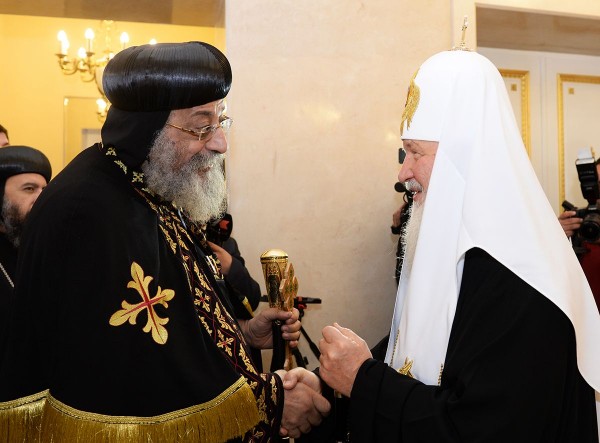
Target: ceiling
[533, 31]
[207, 13]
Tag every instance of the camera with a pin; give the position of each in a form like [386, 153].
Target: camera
[219, 230]
[588, 179]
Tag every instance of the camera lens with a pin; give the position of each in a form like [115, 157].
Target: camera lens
[590, 227]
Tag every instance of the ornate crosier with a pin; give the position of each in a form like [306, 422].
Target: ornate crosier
[155, 324]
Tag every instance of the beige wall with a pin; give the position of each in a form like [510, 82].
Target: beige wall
[32, 88]
[317, 98]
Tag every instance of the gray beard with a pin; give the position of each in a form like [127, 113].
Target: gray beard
[202, 195]
[410, 235]
[12, 222]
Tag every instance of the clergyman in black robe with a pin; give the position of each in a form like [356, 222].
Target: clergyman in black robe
[121, 330]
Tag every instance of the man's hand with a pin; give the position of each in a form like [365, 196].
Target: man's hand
[223, 256]
[569, 222]
[342, 354]
[304, 405]
[259, 332]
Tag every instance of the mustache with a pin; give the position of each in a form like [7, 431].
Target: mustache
[413, 186]
[203, 160]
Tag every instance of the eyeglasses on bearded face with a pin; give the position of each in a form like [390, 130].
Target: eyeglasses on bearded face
[206, 132]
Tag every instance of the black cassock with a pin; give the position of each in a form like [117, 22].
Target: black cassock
[118, 313]
[510, 374]
[8, 260]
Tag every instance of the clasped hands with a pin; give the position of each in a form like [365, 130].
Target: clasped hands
[342, 354]
[304, 406]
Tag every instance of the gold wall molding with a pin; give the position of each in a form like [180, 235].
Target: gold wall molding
[523, 78]
[561, 79]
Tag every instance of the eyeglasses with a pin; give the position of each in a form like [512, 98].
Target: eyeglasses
[206, 132]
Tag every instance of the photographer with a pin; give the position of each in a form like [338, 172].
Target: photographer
[590, 250]
[239, 280]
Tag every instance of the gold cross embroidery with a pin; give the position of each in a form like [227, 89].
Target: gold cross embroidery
[405, 370]
[412, 102]
[138, 177]
[224, 343]
[155, 324]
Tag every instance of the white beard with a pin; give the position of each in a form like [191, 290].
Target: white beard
[410, 235]
[202, 195]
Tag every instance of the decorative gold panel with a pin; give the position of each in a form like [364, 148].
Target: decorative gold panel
[561, 80]
[523, 78]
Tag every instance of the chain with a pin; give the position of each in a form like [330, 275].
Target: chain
[10, 282]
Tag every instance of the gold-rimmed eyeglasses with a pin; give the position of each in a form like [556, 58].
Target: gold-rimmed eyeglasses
[206, 132]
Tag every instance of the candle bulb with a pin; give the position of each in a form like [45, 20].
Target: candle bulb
[124, 40]
[64, 42]
[89, 37]
[102, 105]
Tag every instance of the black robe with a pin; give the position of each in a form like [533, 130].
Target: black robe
[91, 235]
[8, 259]
[510, 374]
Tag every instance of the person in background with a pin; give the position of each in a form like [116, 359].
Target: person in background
[3, 137]
[244, 291]
[24, 173]
[589, 257]
[125, 332]
[494, 336]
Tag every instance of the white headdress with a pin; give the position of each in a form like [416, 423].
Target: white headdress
[481, 177]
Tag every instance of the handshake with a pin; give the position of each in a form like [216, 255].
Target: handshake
[342, 354]
[304, 406]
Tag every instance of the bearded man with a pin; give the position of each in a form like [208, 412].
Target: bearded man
[123, 330]
[495, 333]
[24, 173]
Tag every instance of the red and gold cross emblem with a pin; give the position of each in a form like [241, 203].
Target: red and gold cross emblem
[155, 324]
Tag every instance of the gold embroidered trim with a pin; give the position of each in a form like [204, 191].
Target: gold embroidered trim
[412, 102]
[395, 345]
[231, 414]
[239, 387]
[23, 401]
[20, 418]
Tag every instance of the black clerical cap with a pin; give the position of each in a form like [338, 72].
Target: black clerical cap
[166, 76]
[144, 83]
[23, 159]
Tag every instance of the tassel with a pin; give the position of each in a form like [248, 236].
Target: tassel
[230, 415]
[20, 419]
